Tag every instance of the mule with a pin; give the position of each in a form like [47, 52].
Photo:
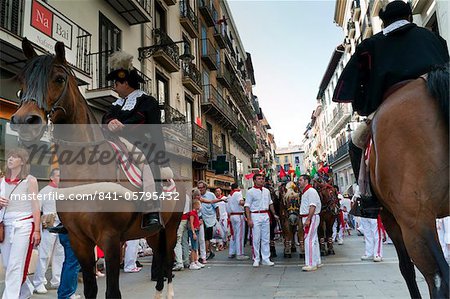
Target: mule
[328, 215]
[50, 94]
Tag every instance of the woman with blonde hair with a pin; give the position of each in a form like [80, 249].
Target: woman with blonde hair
[20, 215]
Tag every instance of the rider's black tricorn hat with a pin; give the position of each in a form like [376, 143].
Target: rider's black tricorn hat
[125, 75]
[122, 69]
[395, 10]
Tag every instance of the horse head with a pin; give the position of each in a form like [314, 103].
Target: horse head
[291, 202]
[328, 196]
[46, 82]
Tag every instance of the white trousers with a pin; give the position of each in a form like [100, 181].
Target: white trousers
[16, 251]
[131, 253]
[372, 237]
[49, 248]
[201, 242]
[336, 226]
[312, 249]
[223, 225]
[261, 237]
[237, 239]
[182, 247]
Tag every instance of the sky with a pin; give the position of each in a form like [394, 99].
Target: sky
[291, 43]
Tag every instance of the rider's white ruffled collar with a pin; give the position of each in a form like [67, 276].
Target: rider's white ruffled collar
[129, 102]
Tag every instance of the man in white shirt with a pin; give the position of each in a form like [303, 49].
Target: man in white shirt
[223, 220]
[50, 247]
[257, 205]
[309, 211]
[235, 209]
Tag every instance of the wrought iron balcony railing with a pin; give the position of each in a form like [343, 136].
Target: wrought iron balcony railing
[212, 97]
[341, 152]
[186, 12]
[100, 68]
[210, 55]
[191, 72]
[208, 11]
[161, 38]
[199, 135]
[170, 115]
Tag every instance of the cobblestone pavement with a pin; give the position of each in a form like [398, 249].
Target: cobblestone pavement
[343, 275]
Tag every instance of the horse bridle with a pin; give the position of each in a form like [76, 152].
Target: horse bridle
[56, 105]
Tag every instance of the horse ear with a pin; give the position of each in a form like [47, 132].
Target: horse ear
[60, 52]
[28, 49]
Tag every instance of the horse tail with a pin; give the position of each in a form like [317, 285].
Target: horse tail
[438, 87]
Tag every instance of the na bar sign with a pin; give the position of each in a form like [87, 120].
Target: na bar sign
[51, 24]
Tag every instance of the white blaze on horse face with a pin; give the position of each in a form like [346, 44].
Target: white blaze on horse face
[437, 282]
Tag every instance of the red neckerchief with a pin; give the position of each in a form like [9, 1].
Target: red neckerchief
[306, 188]
[12, 182]
[234, 190]
[260, 188]
[52, 184]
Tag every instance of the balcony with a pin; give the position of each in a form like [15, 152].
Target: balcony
[188, 19]
[356, 9]
[219, 35]
[199, 135]
[206, 8]
[210, 55]
[192, 79]
[245, 139]
[215, 105]
[169, 55]
[14, 26]
[338, 155]
[170, 115]
[133, 11]
[224, 75]
[101, 90]
[341, 116]
[238, 94]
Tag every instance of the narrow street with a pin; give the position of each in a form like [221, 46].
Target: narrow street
[343, 275]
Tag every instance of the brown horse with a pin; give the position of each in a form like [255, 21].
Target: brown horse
[291, 220]
[409, 173]
[328, 215]
[50, 93]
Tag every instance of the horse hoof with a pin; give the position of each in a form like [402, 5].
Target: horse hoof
[302, 255]
[322, 253]
[293, 249]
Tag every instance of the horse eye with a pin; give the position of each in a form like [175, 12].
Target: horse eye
[60, 79]
[19, 93]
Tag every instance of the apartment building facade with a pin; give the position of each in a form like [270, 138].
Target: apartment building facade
[189, 53]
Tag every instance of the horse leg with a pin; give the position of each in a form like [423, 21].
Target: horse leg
[84, 251]
[171, 241]
[293, 246]
[300, 236]
[329, 233]
[405, 263]
[287, 248]
[112, 248]
[321, 236]
[422, 244]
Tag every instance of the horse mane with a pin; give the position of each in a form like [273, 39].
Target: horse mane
[438, 87]
[36, 72]
[289, 195]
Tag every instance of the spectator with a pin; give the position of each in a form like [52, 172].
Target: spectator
[235, 207]
[50, 247]
[193, 229]
[182, 246]
[21, 219]
[223, 219]
[69, 274]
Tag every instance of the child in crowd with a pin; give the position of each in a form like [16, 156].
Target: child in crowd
[193, 229]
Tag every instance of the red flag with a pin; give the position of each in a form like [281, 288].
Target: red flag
[249, 176]
[282, 173]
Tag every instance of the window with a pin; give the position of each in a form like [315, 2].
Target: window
[224, 143]
[160, 17]
[162, 94]
[189, 110]
[286, 167]
[286, 159]
[110, 39]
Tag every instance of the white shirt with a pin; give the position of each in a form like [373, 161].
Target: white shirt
[233, 205]
[258, 200]
[310, 198]
[222, 208]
